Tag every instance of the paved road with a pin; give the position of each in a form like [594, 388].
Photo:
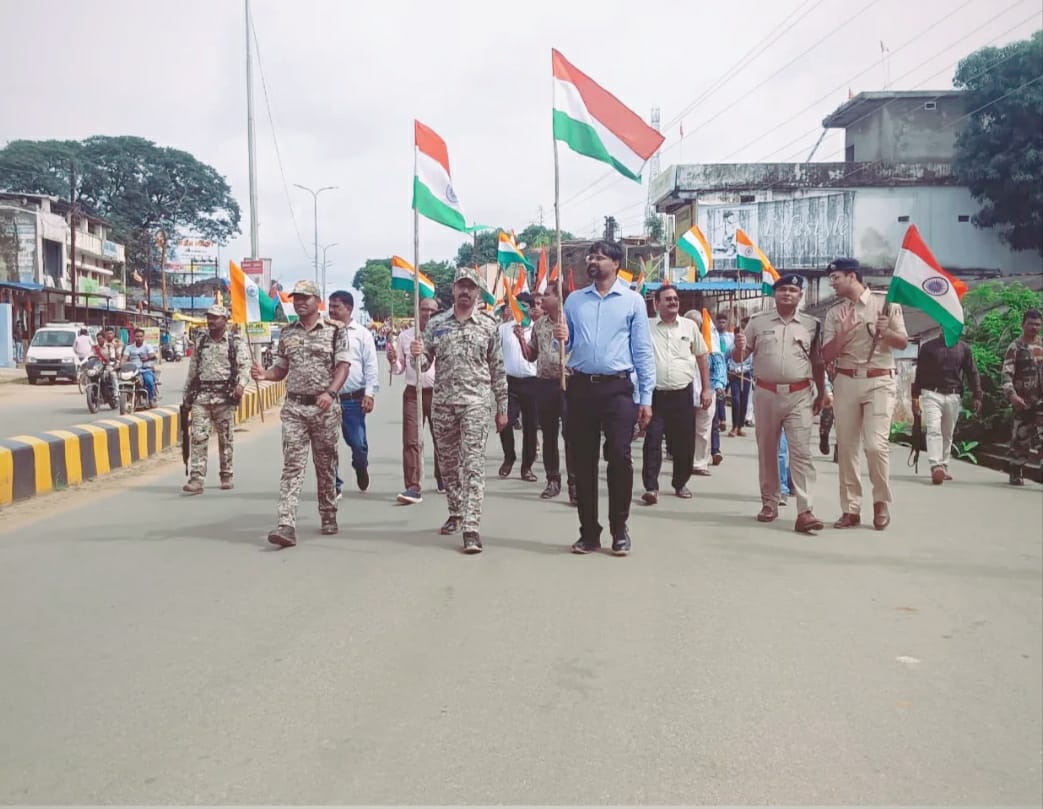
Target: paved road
[49, 406]
[157, 651]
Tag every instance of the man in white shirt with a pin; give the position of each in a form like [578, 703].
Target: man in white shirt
[356, 396]
[521, 395]
[401, 363]
[82, 345]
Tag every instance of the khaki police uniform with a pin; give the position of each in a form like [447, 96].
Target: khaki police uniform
[864, 394]
[785, 352]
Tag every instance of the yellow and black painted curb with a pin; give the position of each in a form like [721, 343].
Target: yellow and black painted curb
[55, 459]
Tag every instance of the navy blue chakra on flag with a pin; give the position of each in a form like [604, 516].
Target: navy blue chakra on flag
[936, 286]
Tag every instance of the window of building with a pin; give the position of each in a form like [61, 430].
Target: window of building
[903, 218]
[744, 198]
[849, 153]
[930, 105]
[963, 218]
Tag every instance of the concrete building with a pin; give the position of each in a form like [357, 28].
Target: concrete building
[899, 148]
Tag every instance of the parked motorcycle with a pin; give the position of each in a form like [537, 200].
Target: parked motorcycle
[132, 393]
[100, 385]
[171, 352]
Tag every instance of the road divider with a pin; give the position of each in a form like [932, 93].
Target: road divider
[55, 459]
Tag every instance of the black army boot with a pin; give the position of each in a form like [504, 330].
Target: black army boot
[1017, 476]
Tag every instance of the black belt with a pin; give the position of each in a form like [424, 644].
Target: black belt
[946, 391]
[597, 379]
[214, 385]
[304, 398]
[355, 394]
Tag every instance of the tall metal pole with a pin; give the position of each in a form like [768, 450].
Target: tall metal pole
[255, 249]
[416, 332]
[315, 214]
[325, 247]
[72, 236]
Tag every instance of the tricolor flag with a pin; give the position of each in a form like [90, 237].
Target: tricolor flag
[433, 194]
[541, 272]
[751, 258]
[520, 313]
[920, 281]
[694, 243]
[710, 336]
[507, 252]
[626, 276]
[592, 121]
[249, 304]
[403, 275]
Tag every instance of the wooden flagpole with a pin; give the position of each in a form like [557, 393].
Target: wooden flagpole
[561, 267]
[416, 332]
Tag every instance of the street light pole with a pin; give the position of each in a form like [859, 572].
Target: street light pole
[324, 249]
[315, 201]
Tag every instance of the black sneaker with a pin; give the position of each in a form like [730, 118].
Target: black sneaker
[362, 478]
[621, 544]
[472, 542]
[582, 546]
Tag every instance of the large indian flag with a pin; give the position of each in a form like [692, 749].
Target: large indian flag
[249, 304]
[694, 243]
[433, 194]
[593, 122]
[403, 275]
[920, 281]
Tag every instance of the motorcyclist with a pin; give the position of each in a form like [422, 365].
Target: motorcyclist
[82, 346]
[143, 356]
[109, 350]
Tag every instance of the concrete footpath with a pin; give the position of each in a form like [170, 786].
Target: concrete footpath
[157, 650]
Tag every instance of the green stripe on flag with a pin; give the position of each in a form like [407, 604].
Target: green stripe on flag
[427, 204]
[582, 138]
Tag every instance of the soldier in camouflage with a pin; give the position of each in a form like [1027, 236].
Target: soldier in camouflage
[313, 359]
[465, 344]
[1023, 387]
[217, 375]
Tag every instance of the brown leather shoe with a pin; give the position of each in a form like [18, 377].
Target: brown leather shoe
[650, 498]
[226, 482]
[528, 476]
[848, 521]
[881, 517]
[807, 522]
[937, 475]
[767, 514]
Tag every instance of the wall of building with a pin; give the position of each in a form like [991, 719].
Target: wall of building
[936, 211]
[903, 130]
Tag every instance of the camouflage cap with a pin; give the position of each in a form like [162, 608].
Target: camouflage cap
[306, 288]
[468, 274]
[217, 310]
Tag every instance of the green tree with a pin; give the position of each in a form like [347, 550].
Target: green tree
[999, 152]
[139, 187]
[533, 236]
[992, 314]
[655, 229]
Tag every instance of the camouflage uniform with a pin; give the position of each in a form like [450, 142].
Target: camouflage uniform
[1023, 375]
[310, 357]
[470, 362]
[212, 408]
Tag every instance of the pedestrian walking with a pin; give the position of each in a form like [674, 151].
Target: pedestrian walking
[357, 395]
[551, 404]
[218, 373]
[704, 404]
[607, 334]
[465, 344]
[521, 395]
[1023, 386]
[401, 363]
[313, 359]
[785, 347]
[739, 383]
[941, 374]
[861, 334]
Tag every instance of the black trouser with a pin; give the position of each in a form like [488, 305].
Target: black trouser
[553, 411]
[595, 408]
[521, 398]
[673, 413]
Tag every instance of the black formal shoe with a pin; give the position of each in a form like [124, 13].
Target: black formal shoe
[362, 478]
[451, 526]
[505, 469]
[621, 544]
[582, 546]
[528, 476]
[553, 490]
[472, 542]
[823, 443]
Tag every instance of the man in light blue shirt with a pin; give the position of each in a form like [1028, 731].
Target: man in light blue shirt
[608, 338]
[142, 355]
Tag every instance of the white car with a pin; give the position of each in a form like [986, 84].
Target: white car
[50, 354]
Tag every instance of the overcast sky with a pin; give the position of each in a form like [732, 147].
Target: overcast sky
[346, 79]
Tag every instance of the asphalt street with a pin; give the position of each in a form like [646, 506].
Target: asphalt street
[157, 650]
[28, 408]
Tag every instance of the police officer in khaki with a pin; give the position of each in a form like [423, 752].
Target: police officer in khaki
[790, 378]
[860, 334]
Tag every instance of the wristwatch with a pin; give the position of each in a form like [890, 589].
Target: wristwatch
[332, 394]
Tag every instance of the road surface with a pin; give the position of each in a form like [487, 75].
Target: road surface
[156, 650]
[28, 408]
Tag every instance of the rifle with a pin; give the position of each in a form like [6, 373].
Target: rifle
[184, 423]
